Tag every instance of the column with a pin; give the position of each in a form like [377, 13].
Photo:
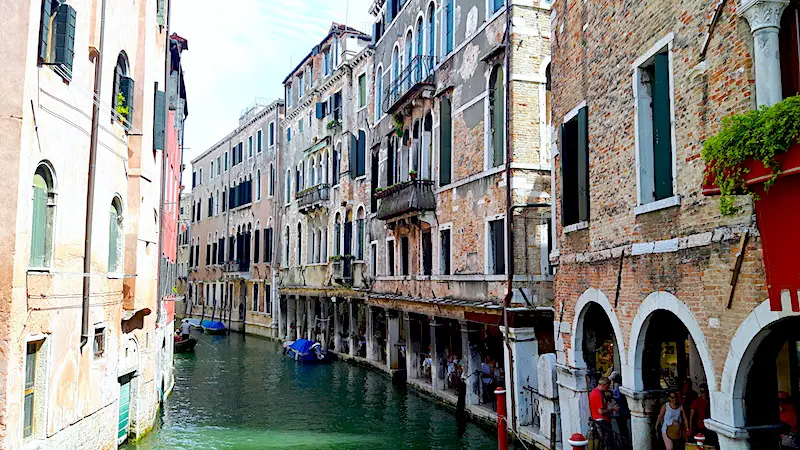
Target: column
[392, 338]
[525, 353]
[291, 319]
[730, 438]
[299, 320]
[370, 334]
[278, 314]
[764, 17]
[311, 318]
[438, 364]
[323, 324]
[644, 408]
[573, 401]
[353, 327]
[471, 362]
[413, 362]
[337, 326]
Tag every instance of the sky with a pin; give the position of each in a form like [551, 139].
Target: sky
[243, 49]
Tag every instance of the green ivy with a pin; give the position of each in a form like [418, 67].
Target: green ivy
[122, 110]
[761, 135]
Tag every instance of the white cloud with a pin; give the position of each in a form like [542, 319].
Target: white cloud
[242, 49]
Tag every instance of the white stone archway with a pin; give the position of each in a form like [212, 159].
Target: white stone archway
[663, 301]
[592, 295]
[728, 403]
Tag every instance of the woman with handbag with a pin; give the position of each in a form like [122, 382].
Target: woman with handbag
[672, 422]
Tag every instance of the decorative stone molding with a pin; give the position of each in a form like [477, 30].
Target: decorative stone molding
[762, 13]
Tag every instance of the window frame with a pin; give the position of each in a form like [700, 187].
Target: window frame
[489, 268]
[449, 228]
[391, 257]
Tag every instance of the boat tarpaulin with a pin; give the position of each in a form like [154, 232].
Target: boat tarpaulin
[302, 346]
[213, 325]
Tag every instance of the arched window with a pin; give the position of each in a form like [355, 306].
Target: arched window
[378, 93]
[409, 48]
[337, 236]
[271, 180]
[43, 217]
[497, 120]
[360, 234]
[335, 172]
[257, 243]
[115, 249]
[299, 259]
[258, 185]
[122, 99]
[447, 31]
[318, 247]
[395, 71]
[431, 30]
[288, 194]
[312, 238]
[420, 38]
[216, 203]
[427, 148]
[287, 247]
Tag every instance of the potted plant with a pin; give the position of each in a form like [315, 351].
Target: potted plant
[398, 125]
[412, 174]
[752, 148]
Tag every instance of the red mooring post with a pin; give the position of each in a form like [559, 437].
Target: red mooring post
[502, 423]
[578, 442]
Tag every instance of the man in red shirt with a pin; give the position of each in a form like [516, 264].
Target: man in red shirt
[601, 413]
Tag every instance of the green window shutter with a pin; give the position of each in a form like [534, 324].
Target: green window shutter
[583, 165]
[445, 141]
[498, 118]
[65, 37]
[44, 33]
[39, 222]
[112, 240]
[564, 161]
[159, 121]
[361, 155]
[362, 90]
[351, 160]
[662, 134]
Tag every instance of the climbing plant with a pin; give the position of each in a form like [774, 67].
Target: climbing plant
[760, 135]
[121, 108]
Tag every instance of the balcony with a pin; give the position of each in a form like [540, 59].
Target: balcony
[343, 270]
[413, 196]
[236, 266]
[410, 83]
[313, 198]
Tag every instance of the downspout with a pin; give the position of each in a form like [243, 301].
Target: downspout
[162, 199]
[509, 220]
[87, 246]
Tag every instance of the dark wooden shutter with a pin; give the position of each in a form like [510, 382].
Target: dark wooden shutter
[351, 160]
[583, 165]
[65, 37]
[498, 118]
[320, 110]
[127, 88]
[498, 244]
[159, 121]
[44, 31]
[445, 141]
[662, 134]
[361, 153]
[564, 160]
[257, 246]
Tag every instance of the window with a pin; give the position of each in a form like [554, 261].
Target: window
[427, 253]
[444, 251]
[211, 172]
[219, 166]
[123, 92]
[271, 180]
[289, 134]
[448, 28]
[654, 123]
[390, 257]
[300, 83]
[299, 257]
[445, 142]
[255, 297]
[226, 161]
[358, 154]
[497, 249]
[300, 127]
[57, 36]
[327, 63]
[404, 256]
[268, 245]
[789, 51]
[495, 5]
[288, 193]
[373, 259]
[335, 173]
[115, 237]
[29, 389]
[272, 134]
[258, 185]
[431, 30]
[43, 217]
[259, 142]
[378, 93]
[250, 147]
[575, 169]
[360, 235]
[497, 118]
[201, 177]
[362, 90]
[99, 342]
[337, 236]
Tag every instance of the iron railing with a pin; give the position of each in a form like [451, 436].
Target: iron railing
[313, 195]
[418, 72]
[406, 197]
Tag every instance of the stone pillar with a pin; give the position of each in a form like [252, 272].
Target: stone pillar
[413, 363]
[311, 318]
[438, 364]
[370, 334]
[730, 438]
[644, 406]
[764, 17]
[299, 318]
[471, 362]
[291, 319]
[574, 401]
[281, 322]
[337, 326]
[324, 325]
[353, 327]
[392, 338]
[524, 354]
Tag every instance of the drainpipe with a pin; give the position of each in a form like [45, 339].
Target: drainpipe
[87, 246]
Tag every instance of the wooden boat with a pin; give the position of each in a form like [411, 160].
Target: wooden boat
[306, 351]
[181, 345]
[211, 327]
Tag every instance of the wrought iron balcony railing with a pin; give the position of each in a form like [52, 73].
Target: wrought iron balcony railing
[406, 197]
[313, 197]
[418, 73]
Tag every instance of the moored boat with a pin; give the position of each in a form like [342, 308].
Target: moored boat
[306, 351]
[213, 327]
[184, 345]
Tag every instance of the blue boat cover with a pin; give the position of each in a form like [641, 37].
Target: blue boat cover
[213, 325]
[302, 346]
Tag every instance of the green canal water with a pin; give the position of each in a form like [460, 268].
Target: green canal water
[245, 394]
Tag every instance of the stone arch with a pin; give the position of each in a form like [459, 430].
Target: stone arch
[590, 296]
[664, 301]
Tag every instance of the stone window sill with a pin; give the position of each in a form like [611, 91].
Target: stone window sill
[669, 202]
[583, 225]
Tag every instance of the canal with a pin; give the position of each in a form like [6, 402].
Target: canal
[245, 394]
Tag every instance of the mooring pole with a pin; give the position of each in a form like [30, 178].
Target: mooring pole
[502, 423]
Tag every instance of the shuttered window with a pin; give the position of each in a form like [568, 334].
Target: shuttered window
[362, 90]
[114, 237]
[496, 5]
[39, 222]
[390, 258]
[159, 121]
[444, 252]
[448, 29]
[575, 169]
[497, 253]
[654, 124]
[31, 356]
[257, 245]
[57, 36]
[445, 142]
[497, 120]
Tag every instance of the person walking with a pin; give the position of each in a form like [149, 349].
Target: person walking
[186, 328]
[601, 413]
[672, 422]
